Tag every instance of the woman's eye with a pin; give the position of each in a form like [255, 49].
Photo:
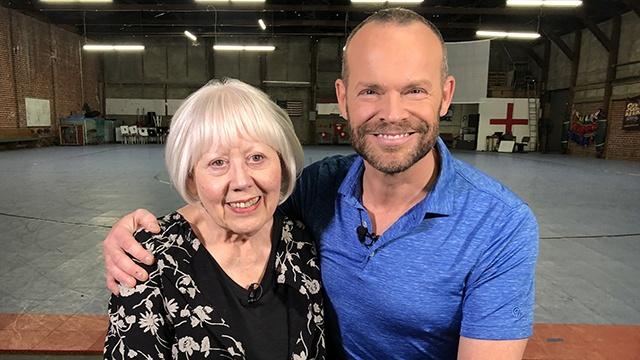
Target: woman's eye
[217, 163]
[256, 157]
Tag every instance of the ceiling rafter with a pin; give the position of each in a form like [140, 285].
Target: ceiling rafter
[597, 32]
[560, 44]
[633, 5]
[199, 7]
[331, 17]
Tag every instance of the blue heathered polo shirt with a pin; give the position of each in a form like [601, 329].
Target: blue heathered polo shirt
[459, 263]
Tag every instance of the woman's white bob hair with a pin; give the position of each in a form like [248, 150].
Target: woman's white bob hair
[220, 113]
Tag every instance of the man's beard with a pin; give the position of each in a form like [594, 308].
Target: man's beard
[379, 159]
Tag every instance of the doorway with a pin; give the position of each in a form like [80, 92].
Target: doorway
[559, 113]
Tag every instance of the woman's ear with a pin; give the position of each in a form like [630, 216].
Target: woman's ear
[284, 178]
[191, 186]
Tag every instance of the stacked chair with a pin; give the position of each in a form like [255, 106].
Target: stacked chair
[156, 134]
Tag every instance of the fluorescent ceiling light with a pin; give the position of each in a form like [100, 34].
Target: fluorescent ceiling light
[107, 47]
[98, 47]
[128, 47]
[75, 1]
[190, 35]
[244, 47]
[508, 35]
[550, 3]
[228, 47]
[263, 26]
[259, 48]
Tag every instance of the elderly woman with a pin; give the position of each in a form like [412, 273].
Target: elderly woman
[233, 279]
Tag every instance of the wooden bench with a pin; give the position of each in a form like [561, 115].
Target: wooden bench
[17, 135]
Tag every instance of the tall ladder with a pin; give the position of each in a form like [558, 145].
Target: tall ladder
[533, 112]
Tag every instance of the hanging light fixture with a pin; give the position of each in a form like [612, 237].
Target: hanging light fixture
[109, 47]
[507, 34]
[231, 47]
[190, 35]
[546, 3]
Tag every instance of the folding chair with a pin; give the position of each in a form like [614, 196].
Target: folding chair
[133, 134]
[124, 130]
[143, 135]
[153, 135]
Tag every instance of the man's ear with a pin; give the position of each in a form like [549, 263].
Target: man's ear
[341, 94]
[447, 94]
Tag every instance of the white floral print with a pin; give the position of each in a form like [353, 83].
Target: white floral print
[149, 322]
[167, 317]
[188, 345]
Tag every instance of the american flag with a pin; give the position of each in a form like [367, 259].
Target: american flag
[293, 107]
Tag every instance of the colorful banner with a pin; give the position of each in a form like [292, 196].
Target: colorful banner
[631, 119]
[584, 128]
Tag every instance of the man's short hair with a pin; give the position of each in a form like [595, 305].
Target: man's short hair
[220, 113]
[396, 16]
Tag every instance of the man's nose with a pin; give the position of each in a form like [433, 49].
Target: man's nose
[393, 107]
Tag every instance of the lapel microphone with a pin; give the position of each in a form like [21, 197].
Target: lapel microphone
[255, 293]
[366, 238]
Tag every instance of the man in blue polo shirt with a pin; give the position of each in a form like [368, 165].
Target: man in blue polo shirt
[422, 256]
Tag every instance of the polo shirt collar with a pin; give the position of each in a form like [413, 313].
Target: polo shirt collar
[439, 200]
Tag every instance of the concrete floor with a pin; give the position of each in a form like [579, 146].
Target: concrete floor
[56, 205]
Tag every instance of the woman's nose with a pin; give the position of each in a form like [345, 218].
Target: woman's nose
[240, 177]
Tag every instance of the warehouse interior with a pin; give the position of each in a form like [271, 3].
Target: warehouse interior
[556, 118]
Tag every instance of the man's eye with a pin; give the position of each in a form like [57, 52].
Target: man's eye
[368, 92]
[417, 91]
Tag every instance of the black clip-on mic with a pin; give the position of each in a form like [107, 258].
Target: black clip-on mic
[366, 238]
[255, 293]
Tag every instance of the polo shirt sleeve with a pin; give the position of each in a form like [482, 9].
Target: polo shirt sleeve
[499, 297]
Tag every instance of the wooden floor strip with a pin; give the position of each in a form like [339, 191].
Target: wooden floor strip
[84, 334]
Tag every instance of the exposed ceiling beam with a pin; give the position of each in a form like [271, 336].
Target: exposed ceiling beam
[194, 7]
[287, 23]
[35, 14]
[221, 35]
[560, 44]
[633, 5]
[599, 34]
[205, 24]
[532, 54]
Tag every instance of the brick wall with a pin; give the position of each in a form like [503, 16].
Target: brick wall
[43, 61]
[621, 144]
[66, 68]
[577, 149]
[32, 62]
[92, 77]
[8, 110]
